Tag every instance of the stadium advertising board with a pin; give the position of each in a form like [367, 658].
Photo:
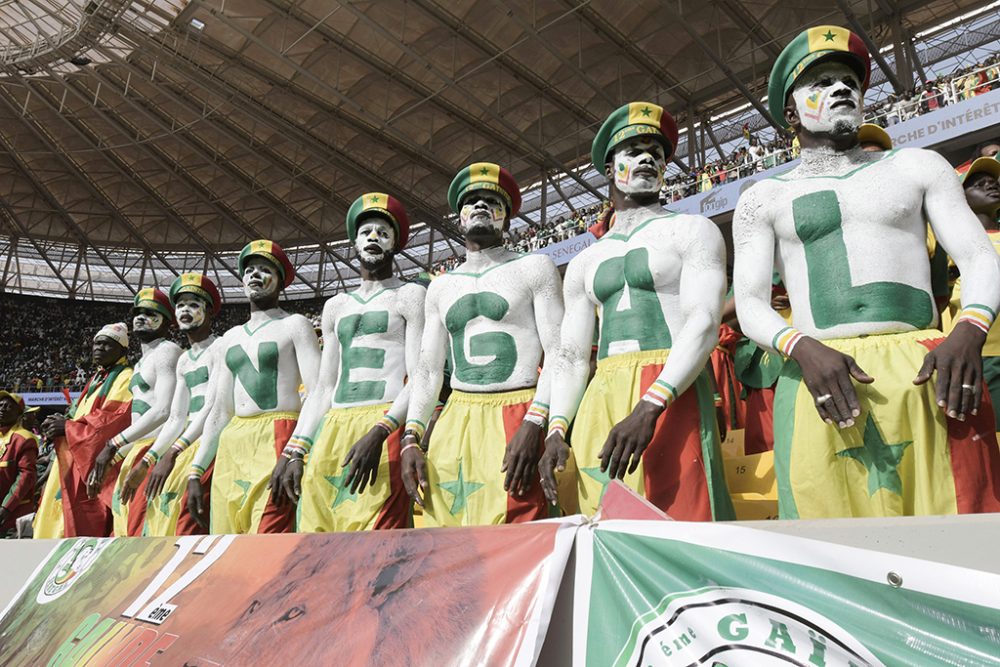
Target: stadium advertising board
[420, 597]
[669, 593]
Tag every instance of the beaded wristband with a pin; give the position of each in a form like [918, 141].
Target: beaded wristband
[558, 424]
[978, 315]
[417, 426]
[196, 471]
[538, 413]
[785, 340]
[388, 423]
[298, 445]
[660, 393]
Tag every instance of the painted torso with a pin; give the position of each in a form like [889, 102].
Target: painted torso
[371, 335]
[159, 361]
[851, 244]
[633, 279]
[193, 370]
[260, 355]
[486, 306]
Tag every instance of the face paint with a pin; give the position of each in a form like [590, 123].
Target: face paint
[190, 312]
[638, 166]
[828, 99]
[376, 239]
[146, 321]
[260, 279]
[483, 210]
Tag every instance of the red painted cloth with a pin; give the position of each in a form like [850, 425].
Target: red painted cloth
[18, 455]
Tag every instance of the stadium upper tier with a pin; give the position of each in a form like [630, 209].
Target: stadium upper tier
[141, 139]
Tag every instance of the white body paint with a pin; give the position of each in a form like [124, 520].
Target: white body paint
[530, 286]
[484, 210]
[884, 200]
[638, 166]
[376, 237]
[822, 94]
[687, 260]
[298, 363]
[404, 304]
[183, 423]
[157, 368]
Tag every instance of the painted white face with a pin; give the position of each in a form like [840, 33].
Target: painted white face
[146, 320]
[260, 278]
[828, 98]
[638, 166]
[484, 210]
[190, 312]
[376, 239]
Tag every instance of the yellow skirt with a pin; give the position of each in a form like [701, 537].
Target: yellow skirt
[248, 449]
[464, 459]
[162, 514]
[681, 470]
[48, 521]
[326, 504]
[902, 456]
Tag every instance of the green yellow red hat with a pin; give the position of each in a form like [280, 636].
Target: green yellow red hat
[14, 397]
[273, 253]
[982, 165]
[631, 120]
[199, 285]
[154, 299]
[811, 46]
[379, 203]
[484, 176]
[870, 133]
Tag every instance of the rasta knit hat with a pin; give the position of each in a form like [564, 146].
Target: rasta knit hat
[484, 176]
[811, 46]
[273, 253]
[632, 120]
[382, 205]
[199, 285]
[117, 332]
[154, 299]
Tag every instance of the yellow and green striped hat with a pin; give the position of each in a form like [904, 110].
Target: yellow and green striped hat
[199, 285]
[811, 46]
[630, 120]
[382, 204]
[154, 299]
[485, 176]
[273, 253]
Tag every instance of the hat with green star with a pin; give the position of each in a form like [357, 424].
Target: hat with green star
[273, 253]
[811, 46]
[632, 120]
[154, 299]
[485, 176]
[199, 285]
[384, 206]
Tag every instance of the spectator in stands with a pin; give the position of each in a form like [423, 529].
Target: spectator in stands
[102, 411]
[18, 456]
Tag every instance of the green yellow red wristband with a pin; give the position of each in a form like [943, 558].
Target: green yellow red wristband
[978, 315]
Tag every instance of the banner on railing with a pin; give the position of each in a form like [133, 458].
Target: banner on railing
[563, 251]
[54, 398]
[651, 593]
[408, 597]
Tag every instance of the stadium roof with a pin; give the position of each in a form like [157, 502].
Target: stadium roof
[143, 138]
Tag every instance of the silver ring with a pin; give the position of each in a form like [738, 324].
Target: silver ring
[968, 387]
[821, 400]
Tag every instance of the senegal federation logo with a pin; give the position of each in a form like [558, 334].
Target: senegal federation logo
[71, 567]
[736, 627]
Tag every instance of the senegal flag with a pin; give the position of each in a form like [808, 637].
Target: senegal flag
[103, 410]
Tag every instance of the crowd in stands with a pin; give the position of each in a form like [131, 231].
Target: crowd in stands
[46, 342]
